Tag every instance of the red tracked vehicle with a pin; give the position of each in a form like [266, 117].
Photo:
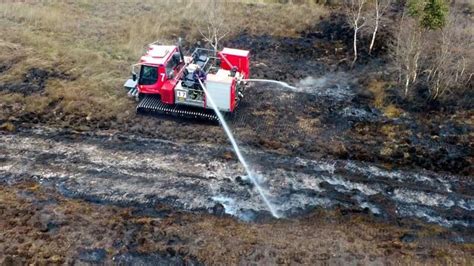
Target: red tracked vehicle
[165, 82]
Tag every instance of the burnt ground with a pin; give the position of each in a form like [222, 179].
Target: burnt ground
[330, 158]
[41, 225]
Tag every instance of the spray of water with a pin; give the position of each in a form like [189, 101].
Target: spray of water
[281, 83]
[328, 85]
[239, 154]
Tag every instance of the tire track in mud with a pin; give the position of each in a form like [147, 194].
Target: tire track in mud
[129, 170]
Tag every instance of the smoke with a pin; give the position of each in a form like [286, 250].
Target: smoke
[313, 82]
[333, 85]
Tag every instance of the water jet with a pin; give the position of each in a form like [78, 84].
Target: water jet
[241, 158]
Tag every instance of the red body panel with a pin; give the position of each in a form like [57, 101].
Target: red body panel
[158, 54]
[237, 58]
[167, 93]
[167, 90]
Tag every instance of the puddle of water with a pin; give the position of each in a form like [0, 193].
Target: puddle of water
[334, 180]
[467, 204]
[431, 216]
[228, 203]
[371, 207]
[428, 199]
[232, 208]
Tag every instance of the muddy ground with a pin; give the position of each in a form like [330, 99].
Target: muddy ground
[353, 185]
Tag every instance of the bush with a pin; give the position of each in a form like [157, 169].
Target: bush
[434, 53]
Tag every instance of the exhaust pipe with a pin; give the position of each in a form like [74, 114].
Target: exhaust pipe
[180, 49]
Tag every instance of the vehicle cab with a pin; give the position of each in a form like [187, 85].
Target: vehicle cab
[159, 71]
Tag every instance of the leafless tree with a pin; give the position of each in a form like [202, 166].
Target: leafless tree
[408, 52]
[442, 60]
[355, 16]
[380, 8]
[213, 26]
[451, 66]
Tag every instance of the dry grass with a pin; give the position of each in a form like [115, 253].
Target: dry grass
[377, 88]
[94, 43]
[391, 111]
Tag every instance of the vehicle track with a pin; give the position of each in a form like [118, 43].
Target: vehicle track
[130, 170]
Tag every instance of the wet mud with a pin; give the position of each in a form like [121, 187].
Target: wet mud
[129, 170]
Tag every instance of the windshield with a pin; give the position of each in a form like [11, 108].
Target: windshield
[148, 75]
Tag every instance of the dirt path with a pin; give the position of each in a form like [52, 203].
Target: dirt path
[131, 170]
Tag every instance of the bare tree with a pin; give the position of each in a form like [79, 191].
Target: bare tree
[356, 19]
[441, 60]
[213, 26]
[451, 66]
[408, 52]
[380, 7]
